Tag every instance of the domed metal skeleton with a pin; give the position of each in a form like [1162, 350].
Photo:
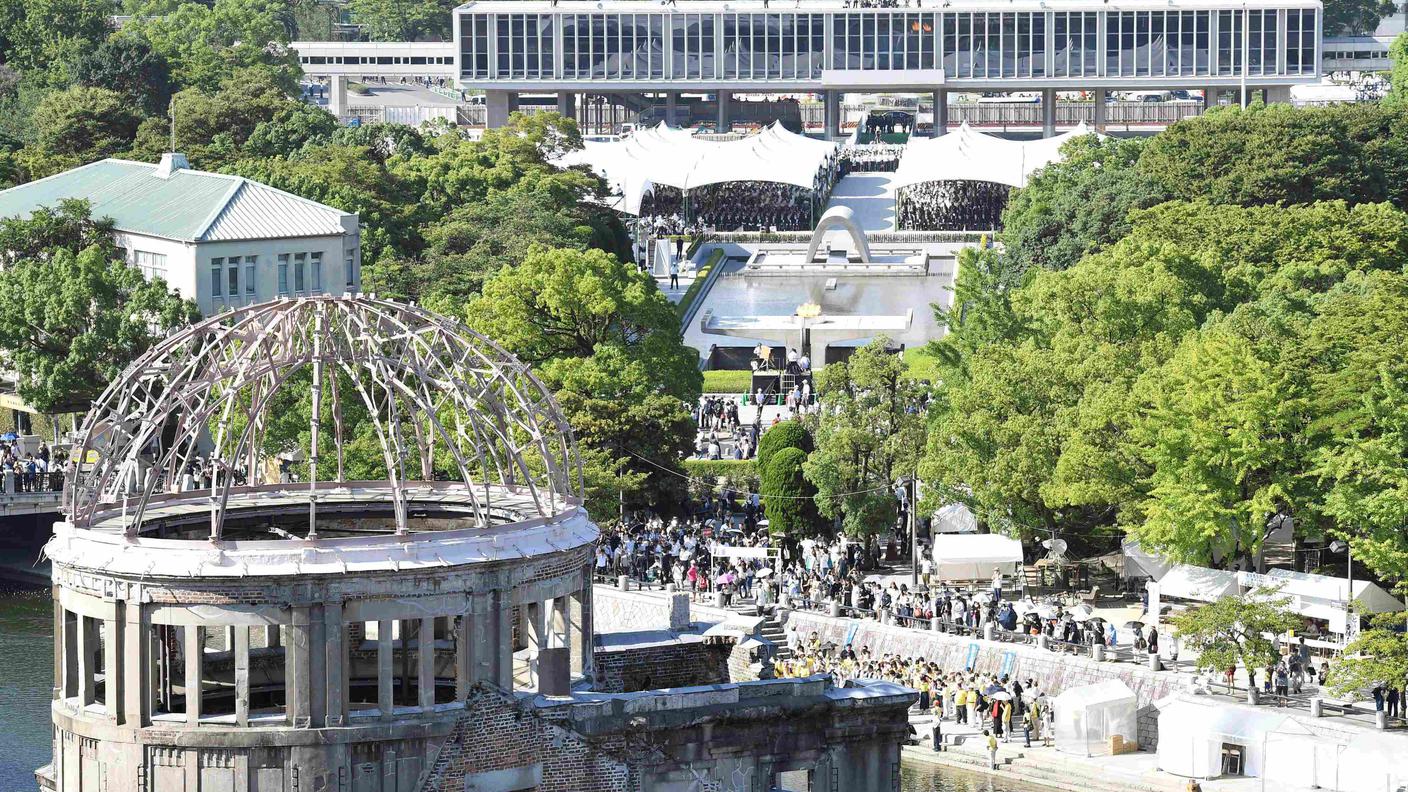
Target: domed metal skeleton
[454, 417]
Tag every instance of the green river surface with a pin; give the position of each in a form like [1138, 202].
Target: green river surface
[26, 670]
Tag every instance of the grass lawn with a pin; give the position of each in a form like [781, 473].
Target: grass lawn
[700, 276]
[722, 381]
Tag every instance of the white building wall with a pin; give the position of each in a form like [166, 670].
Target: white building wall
[190, 266]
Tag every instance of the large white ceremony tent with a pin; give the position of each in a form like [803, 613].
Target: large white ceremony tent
[663, 155]
[1089, 720]
[969, 155]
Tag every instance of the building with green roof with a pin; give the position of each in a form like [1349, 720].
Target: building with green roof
[220, 240]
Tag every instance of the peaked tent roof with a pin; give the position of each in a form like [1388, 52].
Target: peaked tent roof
[970, 155]
[188, 206]
[676, 158]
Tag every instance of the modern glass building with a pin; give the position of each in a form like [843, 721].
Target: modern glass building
[823, 45]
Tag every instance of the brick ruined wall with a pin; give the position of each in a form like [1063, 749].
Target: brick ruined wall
[672, 665]
[495, 733]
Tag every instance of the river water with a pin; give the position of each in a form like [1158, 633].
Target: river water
[26, 671]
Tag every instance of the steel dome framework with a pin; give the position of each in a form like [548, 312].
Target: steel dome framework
[450, 412]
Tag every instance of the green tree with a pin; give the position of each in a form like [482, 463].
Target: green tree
[1377, 656]
[1397, 97]
[788, 497]
[562, 303]
[1235, 630]
[1361, 17]
[85, 124]
[1270, 154]
[1219, 436]
[607, 342]
[1078, 205]
[403, 20]
[204, 43]
[213, 126]
[787, 434]
[128, 66]
[631, 432]
[1359, 395]
[867, 438]
[79, 313]
[46, 37]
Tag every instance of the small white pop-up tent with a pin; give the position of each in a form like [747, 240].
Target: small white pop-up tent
[975, 556]
[1091, 720]
[1185, 581]
[954, 518]
[1206, 739]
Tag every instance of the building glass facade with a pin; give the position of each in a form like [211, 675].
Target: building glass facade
[799, 45]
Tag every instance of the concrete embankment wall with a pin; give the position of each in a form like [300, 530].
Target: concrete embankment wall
[616, 611]
[1054, 672]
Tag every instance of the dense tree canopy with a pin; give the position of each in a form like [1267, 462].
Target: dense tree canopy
[78, 313]
[403, 20]
[607, 341]
[868, 437]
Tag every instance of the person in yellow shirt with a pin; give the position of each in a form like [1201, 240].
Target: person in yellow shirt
[1007, 720]
[992, 749]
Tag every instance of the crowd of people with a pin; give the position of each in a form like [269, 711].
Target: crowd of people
[32, 470]
[650, 549]
[1006, 707]
[871, 158]
[952, 206]
[752, 206]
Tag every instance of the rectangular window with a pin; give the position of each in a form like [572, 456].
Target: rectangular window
[316, 263]
[249, 264]
[234, 277]
[217, 277]
[351, 269]
[152, 265]
[283, 274]
[300, 264]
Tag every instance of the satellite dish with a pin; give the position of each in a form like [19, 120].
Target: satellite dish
[1057, 548]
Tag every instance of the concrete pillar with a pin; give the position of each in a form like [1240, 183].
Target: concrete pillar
[831, 114]
[584, 638]
[137, 678]
[1099, 109]
[1209, 98]
[1048, 112]
[502, 640]
[724, 98]
[567, 104]
[337, 95]
[195, 655]
[499, 104]
[560, 623]
[112, 667]
[71, 628]
[940, 112]
[335, 663]
[241, 676]
[425, 655]
[671, 107]
[58, 690]
[87, 660]
[298, 670]
[385, 690]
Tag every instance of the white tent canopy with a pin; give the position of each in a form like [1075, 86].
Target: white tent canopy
[1186, 581]
[1323, 589]
[675, 158]
[1371, 763]
[975, 556]
[1088, 718]
[1193, 735]
[969, 155]
[954, 518]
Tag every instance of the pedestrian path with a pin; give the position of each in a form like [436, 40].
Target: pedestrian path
[871, 196]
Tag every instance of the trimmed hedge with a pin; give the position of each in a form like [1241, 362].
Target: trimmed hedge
[742, 474]
[724, 381]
